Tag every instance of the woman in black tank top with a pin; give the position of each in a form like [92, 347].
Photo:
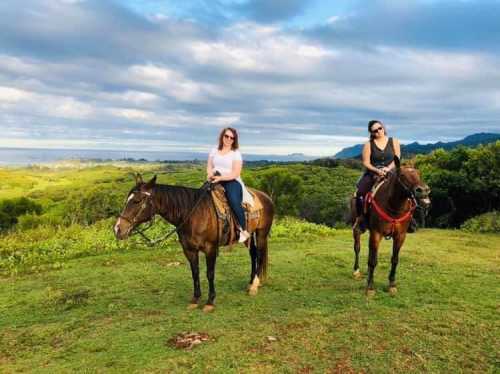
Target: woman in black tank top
[378, 159]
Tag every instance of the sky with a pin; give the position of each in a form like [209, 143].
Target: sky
[293, 76]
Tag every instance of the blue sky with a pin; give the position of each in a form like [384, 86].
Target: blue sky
[291, 75]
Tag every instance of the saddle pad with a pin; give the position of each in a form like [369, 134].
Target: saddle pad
[257, 204]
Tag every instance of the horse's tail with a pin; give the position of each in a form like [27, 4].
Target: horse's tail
[263, 234]
[264, 253]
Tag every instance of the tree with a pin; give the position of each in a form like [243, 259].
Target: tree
[283, 187]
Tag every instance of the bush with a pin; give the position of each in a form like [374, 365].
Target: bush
[93, 205]
[11, 209]
[488, 222]
[293, 228]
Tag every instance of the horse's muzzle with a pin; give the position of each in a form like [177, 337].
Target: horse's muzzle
[119, 232]
[422, 195]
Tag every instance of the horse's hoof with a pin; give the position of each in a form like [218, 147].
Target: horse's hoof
[370, 293]
[356, 274]
[192, 306]
[393, 291]
[252, 291]
[208, 308]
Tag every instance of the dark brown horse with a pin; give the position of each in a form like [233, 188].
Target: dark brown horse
[389, 215]
[192, 212]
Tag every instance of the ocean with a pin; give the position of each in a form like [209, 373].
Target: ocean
[37, 156]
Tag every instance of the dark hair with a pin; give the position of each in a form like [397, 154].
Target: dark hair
[370, 125]
[235, 144]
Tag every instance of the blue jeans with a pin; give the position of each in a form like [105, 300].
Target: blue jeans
[234, 194]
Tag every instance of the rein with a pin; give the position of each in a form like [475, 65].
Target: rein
[370, 200]
[204, 189]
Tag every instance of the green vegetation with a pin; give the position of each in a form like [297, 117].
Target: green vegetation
[72, 298]
[465, 182]
[116, 311]
[487, 222]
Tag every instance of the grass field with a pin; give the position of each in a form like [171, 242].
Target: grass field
[117, 311]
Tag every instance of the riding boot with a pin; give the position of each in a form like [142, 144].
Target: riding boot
[412, 227]
[360, 213]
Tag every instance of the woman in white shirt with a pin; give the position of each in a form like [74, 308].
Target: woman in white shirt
[227, 160]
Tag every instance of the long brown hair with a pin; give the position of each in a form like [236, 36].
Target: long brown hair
[370, 125]
[235, 144]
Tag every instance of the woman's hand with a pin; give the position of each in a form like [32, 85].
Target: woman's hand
[216, 179]
[386, 169]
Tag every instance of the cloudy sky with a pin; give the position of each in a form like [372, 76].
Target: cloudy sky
[291, 75]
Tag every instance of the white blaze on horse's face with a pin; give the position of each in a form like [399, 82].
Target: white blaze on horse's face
[130, 197]
[117, 225]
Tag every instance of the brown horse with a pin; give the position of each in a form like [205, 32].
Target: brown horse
[389, 215]
[193, 213]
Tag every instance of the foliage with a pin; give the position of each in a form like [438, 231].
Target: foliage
[487, 222]
[295, 229]
[11, 209]
[465, 182]
[90, 206]
[283, 187]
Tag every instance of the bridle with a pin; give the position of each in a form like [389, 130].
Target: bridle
[411, 193]
[149, 199]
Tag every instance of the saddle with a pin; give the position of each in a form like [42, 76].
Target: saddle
[227, 227]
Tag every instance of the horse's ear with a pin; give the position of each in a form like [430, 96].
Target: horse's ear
[151, 183]
[397, 162]
[138, 179]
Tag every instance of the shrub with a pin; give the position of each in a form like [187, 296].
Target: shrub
[293, 228]
[11, 209]
[487, 222]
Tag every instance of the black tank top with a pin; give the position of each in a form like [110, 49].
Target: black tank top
[381, 157]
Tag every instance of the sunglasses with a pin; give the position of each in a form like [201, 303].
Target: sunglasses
[228, 137]
[374, 131]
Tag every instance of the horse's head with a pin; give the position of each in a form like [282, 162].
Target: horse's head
[139, 208]
[409, 178]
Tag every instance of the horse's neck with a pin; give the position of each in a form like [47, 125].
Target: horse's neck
[394, 197]
[174, 203]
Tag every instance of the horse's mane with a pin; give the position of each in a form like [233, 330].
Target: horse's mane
[179, 199]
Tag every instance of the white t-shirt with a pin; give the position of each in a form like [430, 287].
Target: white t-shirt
[224, 163]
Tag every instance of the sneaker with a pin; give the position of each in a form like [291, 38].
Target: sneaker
[244, 235]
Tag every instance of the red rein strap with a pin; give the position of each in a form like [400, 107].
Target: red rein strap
[370, 200]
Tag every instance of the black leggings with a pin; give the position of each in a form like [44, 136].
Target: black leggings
[365, 184]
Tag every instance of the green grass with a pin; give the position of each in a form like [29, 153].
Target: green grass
[116, 311]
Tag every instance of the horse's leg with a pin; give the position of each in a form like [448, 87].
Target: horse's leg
[356, 234]
[192, 256]
[253, 259]
[397, 243]
[255, 281]
[211, 258]
[375, 238]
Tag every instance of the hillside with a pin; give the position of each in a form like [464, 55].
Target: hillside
[417, 148]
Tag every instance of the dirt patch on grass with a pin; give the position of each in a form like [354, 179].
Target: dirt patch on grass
[188, 340]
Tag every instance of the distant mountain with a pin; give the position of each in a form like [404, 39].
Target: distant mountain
[417, 148]
[350, 152]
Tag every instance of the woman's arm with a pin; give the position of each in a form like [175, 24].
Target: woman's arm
[235, 172]
[366, 160]
[210, 167]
